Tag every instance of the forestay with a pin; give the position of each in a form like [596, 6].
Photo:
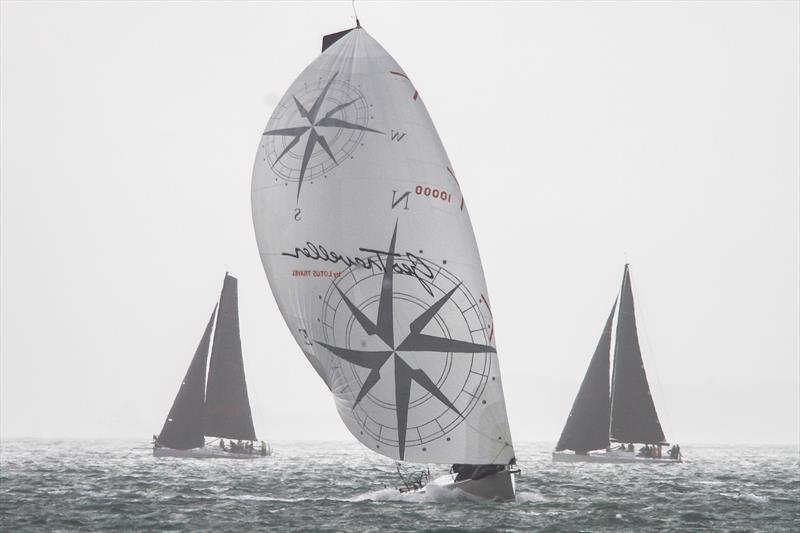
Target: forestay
[368, 248]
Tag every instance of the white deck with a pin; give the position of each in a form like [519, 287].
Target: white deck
[613, 456]
[209, 452]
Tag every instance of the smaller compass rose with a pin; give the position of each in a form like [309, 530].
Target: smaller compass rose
[313, 123]
[415, 341]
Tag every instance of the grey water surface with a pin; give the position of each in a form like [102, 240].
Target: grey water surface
[335, 486]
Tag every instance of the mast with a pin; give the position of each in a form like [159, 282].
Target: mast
[227, 407]
[587, 425]
[633, 413]
[183, 428]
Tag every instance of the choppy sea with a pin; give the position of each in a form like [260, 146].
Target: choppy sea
[335, 486]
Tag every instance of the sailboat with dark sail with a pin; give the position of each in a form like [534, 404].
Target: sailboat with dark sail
[625, 414]
[220, 406]
[368, 248]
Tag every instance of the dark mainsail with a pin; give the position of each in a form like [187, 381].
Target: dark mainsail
[227, 408]
[183, 428]
[633, 414]
[587, 425]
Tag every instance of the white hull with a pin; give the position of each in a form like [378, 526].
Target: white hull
[614, 456]
[208, 452]
[500, 486]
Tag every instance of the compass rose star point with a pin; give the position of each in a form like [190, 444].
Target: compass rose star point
[415, 341]
[328, 120]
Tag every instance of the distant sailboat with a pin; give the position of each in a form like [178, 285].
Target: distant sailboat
[626, 413]
[219, 408]
[368, 247]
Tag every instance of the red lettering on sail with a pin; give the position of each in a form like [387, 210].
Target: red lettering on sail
[416, 93]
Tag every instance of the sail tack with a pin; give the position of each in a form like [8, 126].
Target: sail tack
[227, 407]
[183, 428]
[633, 413]
[370, 254]
[587, 426]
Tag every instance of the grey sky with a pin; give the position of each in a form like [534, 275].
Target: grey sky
[583, 135]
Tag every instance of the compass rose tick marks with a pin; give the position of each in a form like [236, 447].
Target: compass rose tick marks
[415, 341]
[313, 123]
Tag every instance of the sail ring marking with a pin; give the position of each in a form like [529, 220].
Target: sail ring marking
[346, 103]
[464, 322]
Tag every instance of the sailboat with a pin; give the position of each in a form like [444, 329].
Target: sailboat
[624, 415]
[217, 408]
[366, 242]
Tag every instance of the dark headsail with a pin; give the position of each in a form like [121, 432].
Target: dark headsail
[183, 428]
[633, 414]
[587, 426]
[227, 408]
[328, 40]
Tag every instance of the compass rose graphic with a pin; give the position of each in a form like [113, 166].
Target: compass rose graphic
[316, 129]
[386, 348]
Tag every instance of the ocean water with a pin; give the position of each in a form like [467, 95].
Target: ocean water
[334, 486]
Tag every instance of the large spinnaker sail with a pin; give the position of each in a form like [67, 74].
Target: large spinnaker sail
[633, 413]
[227, 407]
[587, 425]
[183, 428]
[370, 254]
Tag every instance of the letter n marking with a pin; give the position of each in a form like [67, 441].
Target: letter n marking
[403, 198]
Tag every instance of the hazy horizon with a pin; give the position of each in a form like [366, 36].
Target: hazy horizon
[584, 136]
[276, 443]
